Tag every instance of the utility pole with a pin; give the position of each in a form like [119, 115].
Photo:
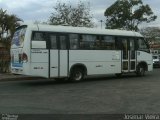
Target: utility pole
[101, 23]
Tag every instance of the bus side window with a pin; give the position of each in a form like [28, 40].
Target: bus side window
[118, 43]
[53, 41]
[87, 42]
[97, 43]
[73, 41]
[39, 40]
[63, 42]
[108, 43]
[38, 36]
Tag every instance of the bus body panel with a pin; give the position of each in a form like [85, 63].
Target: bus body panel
[39, 69]
[39, 62]
[54, 66]
[63, 65]
[97, 61]
[144, 56]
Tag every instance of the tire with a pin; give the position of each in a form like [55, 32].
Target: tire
[77, 75]
[140, 70]
[118, 74]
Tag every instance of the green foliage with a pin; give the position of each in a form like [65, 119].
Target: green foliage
[66, 14]
[128, 14]
[151, 33]
[8, 23]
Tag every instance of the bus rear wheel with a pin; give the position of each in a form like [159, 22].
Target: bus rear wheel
[77, 75]
[140, 70]
[118, 74]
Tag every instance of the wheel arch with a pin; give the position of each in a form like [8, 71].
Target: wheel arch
[78, 65]
[144, 64]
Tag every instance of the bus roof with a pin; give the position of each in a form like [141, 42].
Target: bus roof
[82, 30]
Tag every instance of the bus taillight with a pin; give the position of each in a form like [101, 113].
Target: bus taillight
[24, 57]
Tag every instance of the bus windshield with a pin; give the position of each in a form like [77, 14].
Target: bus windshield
[143, 45]
[18, 38]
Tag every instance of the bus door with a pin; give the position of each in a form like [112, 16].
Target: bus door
[58, 55]
[128, 55]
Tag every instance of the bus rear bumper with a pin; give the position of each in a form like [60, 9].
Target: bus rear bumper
[16, 71]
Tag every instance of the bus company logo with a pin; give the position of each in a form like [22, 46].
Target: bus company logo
[9, 117]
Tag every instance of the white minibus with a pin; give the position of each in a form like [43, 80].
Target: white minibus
[75, 52]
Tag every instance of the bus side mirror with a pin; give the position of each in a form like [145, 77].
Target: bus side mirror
[38, 44]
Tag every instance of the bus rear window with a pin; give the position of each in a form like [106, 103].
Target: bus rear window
[18, 38]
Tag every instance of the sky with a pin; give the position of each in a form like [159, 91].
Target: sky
[40, 10]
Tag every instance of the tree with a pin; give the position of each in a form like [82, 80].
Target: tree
[151, 33]
[8, 23]
[66, 14]
[2, 18]
[128, 14]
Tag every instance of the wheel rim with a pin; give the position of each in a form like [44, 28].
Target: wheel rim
[77, 76]
[142, 71]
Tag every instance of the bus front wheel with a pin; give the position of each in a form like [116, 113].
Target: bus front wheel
[77, 75]
[140, 70]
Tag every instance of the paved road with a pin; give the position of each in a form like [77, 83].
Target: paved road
[129, 94]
